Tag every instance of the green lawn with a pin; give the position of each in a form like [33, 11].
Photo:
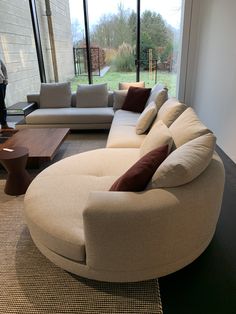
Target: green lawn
[113, 78]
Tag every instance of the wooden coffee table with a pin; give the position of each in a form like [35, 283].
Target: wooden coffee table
[42, 143]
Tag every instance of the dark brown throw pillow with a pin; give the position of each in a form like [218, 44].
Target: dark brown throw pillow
[136, 99]
[136, 178]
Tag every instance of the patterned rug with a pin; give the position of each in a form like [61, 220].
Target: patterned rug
[29, 283]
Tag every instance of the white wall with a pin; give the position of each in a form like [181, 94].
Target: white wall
[211, 74]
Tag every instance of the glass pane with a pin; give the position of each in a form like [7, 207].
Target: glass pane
[17, 51]
[113, 39]
[160, 38]
[79, 43]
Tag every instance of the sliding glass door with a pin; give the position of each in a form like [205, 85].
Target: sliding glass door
[160, 42]
[128, 41]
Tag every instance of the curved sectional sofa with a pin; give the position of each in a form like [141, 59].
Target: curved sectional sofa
[123, 236]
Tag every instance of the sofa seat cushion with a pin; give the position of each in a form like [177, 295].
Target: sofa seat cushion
[124, 136]
[101, 162]
[123, 117]
[71, 115]
[58, 225]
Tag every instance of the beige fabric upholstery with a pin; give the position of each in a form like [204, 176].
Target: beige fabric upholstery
[124, 136]
[146, 118]
[123, 117]
[158, 136]
[170, 111]
[55, 95]
[159, 96]
[90, 96]
[187, 127]
[185, 163]
[128, 84]
[119, 98]
[125, 236]
[71, 116]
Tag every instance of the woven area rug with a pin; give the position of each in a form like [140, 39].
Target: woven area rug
[29, 283]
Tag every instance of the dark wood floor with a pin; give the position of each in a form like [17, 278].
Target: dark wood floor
[208, 285]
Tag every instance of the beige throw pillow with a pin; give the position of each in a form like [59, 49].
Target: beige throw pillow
[170, 111]
[158, 136]
[159, 96]
[55, 95]
[126, 85]
[89, 96]
[187, 127]
[185, 163]
[146, 118]
[119, 98]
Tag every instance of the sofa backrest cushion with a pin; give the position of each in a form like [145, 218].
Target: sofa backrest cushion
[158, 95]
[187, 127]
[139, 175]
[158, 136]
[146, 118]
[119, 98]
[89, 96]
[55, 95]
[185, 163]
[136, 99]
[170, 111]
[127, 85]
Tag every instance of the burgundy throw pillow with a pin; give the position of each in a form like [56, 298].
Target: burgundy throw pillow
[136, 99]
[136, 178]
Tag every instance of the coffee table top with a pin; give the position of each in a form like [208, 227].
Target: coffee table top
[16, 152]
[41, 142]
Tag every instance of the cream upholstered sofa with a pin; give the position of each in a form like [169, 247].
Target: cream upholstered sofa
[91, 107]
[81, 226]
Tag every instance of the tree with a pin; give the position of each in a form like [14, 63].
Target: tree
[77, 32]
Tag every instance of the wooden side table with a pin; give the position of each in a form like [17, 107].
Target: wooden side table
[14, 161]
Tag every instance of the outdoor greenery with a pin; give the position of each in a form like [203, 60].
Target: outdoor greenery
[115, 34]
[113, 78]
[113, 31]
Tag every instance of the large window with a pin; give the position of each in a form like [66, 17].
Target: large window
[129, 40]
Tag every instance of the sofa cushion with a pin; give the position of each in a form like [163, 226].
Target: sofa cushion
[158, 136]
[124, 136]
[138, 176]
[119, 98]
[136, 99]
[187, 127]
[55, 95]
[185, 163]
[71, 115]
[159, 96]
[123, 117]
[88, 96]
[126, 85]
[170, 111]
[146, 118]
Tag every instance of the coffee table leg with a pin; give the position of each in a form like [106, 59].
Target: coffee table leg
[18, 178]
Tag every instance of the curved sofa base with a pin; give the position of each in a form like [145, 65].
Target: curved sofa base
[139, 275]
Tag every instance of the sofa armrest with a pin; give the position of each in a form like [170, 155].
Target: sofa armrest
[125, 229]
[34, 98]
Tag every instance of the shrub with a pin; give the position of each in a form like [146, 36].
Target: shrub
[125, 61]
